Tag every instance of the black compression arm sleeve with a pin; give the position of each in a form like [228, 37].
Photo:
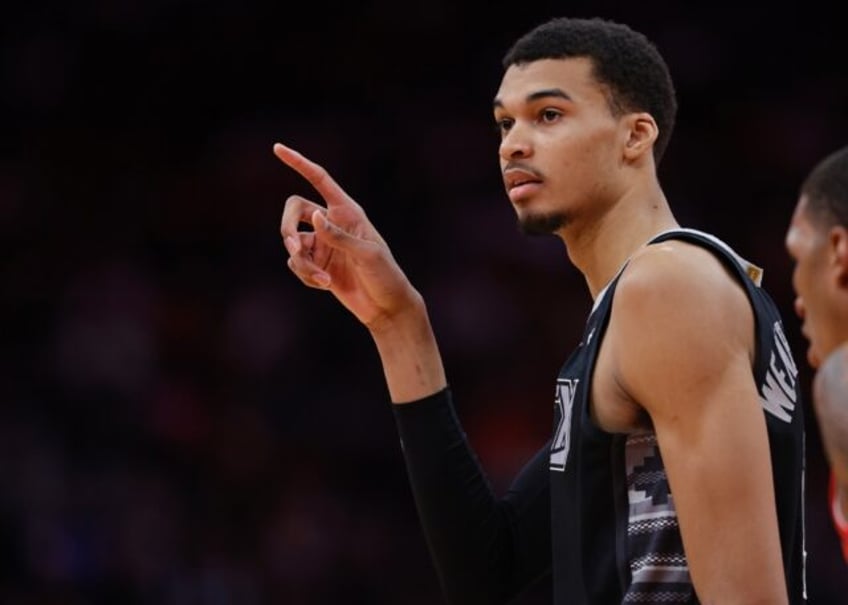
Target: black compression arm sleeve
[485, 549]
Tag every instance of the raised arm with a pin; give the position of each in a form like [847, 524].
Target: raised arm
[345, 254]
[830, 400]
[682, 342]
[485, 549]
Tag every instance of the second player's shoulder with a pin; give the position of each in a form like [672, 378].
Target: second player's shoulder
[831, 378]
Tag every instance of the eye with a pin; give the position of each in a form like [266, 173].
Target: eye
[549, 116]
[503, 125]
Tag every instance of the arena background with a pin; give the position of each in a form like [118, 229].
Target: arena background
[183, 422]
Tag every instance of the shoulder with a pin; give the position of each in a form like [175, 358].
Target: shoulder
[679, 281]
[831, 381]
[677, 308]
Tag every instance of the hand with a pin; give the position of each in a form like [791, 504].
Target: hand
[344, 253]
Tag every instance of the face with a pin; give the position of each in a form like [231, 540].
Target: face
[820, 300]
[560, 143]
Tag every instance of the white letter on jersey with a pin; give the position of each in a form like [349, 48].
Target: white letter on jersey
[778, 392]
[565, 389]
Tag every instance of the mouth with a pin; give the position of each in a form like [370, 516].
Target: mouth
[521, 183]
[517, 177]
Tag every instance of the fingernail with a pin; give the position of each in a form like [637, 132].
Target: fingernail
[322, 279]
[293, 244]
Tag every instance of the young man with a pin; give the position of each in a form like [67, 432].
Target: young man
[817, 240]
[674, 472]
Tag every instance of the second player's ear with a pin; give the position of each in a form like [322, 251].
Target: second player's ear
[642, 132]
[839, 251]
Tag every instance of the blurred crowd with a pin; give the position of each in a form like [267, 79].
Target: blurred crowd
[182, 422]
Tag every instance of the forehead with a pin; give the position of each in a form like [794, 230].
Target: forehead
[801, 228]
[573, 76]
[801, 215]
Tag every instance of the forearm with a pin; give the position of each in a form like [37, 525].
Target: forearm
[410, 355]
[484, 549]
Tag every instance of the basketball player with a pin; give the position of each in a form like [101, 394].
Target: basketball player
[817, 240]
[674, 473]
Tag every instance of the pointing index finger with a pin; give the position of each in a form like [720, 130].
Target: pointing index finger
[316, 174]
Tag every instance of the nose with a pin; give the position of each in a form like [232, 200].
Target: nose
[515, 144]
[800, 311]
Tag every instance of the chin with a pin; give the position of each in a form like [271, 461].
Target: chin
[541, 224]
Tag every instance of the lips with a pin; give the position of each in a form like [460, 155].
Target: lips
[521, 192]
[521, 183]
[516, 177]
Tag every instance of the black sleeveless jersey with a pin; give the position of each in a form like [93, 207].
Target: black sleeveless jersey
[615, 535]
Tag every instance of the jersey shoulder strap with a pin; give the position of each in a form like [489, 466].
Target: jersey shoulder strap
[754, 272]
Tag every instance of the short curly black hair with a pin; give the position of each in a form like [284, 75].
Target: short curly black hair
[623, 60]
[826, 189]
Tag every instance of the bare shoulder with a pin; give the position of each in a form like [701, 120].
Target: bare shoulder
[830, 386]
[681, 284]
[830, 399]
[678, 314]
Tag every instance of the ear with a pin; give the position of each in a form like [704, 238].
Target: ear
[642, 131]
[838, 244]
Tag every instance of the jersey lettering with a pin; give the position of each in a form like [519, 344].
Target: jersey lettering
[779, 394]
[565, 390]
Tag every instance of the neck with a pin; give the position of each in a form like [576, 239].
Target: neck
[600, 245]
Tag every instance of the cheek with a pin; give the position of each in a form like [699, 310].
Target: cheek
[818, 311]
[808, 276]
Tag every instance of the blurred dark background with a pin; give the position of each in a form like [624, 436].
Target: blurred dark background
[182, 422]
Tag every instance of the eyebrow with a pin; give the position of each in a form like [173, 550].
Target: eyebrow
[539, 94]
